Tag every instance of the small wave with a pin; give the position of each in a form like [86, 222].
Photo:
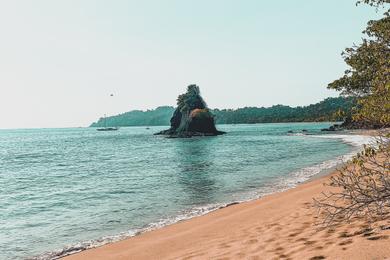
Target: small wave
[304, 174]
[296, 134]
[354, 140]
[81, 246]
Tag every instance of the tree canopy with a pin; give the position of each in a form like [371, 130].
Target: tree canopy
[376, 3]
[368, 75]
[191, 99]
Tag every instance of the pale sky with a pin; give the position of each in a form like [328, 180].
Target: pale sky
[61, 60]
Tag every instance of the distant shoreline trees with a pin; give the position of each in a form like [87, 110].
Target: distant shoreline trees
[330, 109]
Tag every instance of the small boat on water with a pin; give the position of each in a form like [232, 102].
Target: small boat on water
[107, 128]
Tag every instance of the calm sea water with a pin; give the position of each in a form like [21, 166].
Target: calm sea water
[69, 189]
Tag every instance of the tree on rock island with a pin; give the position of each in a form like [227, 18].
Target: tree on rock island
[191, 117]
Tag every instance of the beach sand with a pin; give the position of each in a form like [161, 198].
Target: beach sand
[278, 226]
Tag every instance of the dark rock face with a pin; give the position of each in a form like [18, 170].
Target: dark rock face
[350, 124]
[335, 127]
[191, 117]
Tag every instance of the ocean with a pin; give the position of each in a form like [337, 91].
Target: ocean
[66, 190]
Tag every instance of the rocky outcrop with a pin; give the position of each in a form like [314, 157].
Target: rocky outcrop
[335, 127]
[191, 117]
[350, 124]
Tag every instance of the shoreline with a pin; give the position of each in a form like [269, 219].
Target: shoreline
[308, 174]
[122, 248]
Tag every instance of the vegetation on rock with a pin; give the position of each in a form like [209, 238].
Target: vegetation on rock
[191, 117]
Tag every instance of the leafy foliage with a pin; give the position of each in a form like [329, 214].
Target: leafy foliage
[362, 188]
[201, 113]
[368, 76]
[375, 3]
[369, 63]
[374, 110]
[191, 99]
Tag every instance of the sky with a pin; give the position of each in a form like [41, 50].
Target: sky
[60, 61]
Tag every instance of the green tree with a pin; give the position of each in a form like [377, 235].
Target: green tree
[376, 3]
[363, 186]
[368, 76]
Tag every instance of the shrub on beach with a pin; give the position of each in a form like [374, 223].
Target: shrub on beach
[362, 187]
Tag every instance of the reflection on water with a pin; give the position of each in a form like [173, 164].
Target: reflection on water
[195, 159]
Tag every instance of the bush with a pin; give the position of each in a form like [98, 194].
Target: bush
[362, 187]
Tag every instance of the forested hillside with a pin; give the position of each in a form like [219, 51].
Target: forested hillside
[322, 111]
[158, 116]
[326, 110]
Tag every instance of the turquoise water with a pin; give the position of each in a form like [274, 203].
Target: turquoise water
[77, 188]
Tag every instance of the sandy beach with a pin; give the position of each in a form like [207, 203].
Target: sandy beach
[278, 226]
